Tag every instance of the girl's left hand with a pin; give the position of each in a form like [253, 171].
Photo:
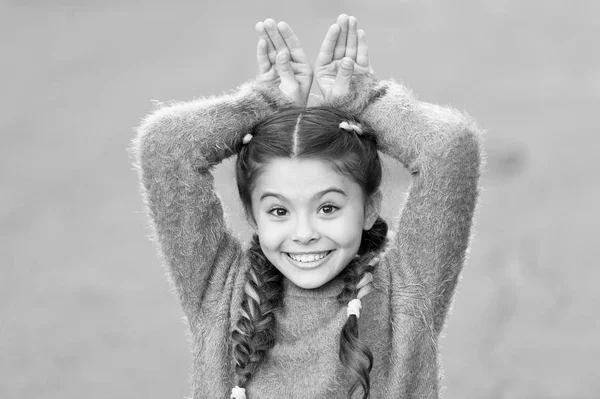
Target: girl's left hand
[282, 60]
[343, 54]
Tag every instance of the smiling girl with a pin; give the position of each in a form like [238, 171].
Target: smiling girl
[281, 318]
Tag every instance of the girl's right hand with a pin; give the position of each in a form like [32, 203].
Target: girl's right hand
[282, 60]
[343, 54]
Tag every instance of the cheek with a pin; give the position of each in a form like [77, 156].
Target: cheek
[271, 234]
[347, 231]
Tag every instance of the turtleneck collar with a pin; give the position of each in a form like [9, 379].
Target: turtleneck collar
[328, 290]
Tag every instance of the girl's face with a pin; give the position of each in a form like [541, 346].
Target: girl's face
[309, 219]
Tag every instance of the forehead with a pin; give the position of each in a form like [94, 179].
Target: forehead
[301, 178]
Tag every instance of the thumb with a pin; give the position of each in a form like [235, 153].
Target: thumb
[289, 85]
[284, 67]
[341, 86]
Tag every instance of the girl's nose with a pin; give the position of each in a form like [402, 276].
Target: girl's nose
[305, 231]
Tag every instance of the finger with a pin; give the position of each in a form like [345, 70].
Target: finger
[340, 46]
[284, 67]
[343, 78]
[362, 55]
[276, 38]
[326, 53]
[292, 42]
[262, 57]
[352, 41]
[262, 33]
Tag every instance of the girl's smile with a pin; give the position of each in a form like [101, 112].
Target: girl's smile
[309, 218]
[309, 260]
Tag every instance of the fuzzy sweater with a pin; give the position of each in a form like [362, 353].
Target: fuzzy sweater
[401, 319]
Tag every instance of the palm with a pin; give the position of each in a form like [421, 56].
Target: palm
[326, 75]
[303, 73]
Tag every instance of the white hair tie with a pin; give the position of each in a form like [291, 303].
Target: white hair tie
[354, 307]
[351, 127]
[238, 393]
[247, 138]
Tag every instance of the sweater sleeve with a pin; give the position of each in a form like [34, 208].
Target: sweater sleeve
[175, 150]
[441, 148]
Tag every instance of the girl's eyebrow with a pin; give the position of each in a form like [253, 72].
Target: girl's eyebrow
[330, 190]
[270, 194]
[317, 195]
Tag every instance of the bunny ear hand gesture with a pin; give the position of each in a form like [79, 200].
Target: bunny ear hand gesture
[282, 60]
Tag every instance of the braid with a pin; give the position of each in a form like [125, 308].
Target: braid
[254, 334]
[354, 354]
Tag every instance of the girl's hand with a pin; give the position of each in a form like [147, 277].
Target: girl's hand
[343, 53]
[282, 60]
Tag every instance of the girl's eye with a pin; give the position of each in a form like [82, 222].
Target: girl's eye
[328, 209]
[278, 212]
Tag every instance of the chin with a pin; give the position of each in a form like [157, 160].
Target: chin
[308, 285]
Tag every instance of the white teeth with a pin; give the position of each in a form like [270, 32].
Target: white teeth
[306, 258]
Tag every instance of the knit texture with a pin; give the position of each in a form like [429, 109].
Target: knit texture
[413, 284]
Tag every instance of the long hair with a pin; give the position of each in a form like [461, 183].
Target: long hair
[306, 133]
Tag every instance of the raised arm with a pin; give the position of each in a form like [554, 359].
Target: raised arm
[177, 146]
[441, 149]
[175, 149]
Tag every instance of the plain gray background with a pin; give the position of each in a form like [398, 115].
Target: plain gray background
[85, 309]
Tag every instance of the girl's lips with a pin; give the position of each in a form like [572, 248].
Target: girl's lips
[308, 256]
[308, 265]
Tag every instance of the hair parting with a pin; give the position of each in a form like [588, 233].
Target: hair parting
[295, 150]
